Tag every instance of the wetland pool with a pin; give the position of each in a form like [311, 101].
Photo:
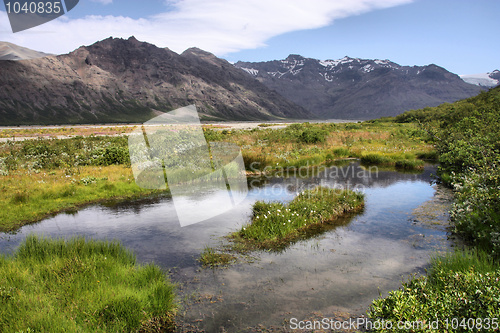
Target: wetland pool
[335, 274]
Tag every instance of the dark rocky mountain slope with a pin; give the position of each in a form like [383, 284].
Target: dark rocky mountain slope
[117, 80]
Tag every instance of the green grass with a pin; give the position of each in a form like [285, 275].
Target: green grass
[210, 257]
[409, 164]
[275, 224]
[463, 261]
[399, 161]
[81, 286]
[298, 144]
[376, 159]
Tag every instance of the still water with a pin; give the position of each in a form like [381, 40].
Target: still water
[334, 274]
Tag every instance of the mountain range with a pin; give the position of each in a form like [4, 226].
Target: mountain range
[125, 80]
[353, 88]
[118, 80]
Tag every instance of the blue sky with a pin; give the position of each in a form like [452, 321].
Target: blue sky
[460, 35]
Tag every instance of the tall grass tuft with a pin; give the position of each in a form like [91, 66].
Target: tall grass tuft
[81, 286]
[463, 261]
[212, 258]
[376, 159]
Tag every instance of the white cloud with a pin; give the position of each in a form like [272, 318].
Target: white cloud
[218, 26]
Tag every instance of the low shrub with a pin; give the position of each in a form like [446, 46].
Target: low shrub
[313, 135]
[462, 285]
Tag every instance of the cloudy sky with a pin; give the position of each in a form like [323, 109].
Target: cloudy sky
[460, 35]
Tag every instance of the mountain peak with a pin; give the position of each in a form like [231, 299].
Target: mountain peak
[198, 52]
[134, 40]
[295, 56]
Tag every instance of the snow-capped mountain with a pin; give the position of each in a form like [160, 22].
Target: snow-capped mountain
[490, 79]
[354, 88]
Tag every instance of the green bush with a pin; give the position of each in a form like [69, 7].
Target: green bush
[342, 152]
[63, 153]
[112, 155]
[313, 135]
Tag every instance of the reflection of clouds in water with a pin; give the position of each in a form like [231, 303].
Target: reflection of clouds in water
[311, 277]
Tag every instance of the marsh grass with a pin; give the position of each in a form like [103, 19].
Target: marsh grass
[399, 161]
[381, 143]
[275, 224]
[64, 131]
[76, 285]
[211, 257]
[462, 261]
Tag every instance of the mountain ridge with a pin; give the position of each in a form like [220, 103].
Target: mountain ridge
[355, 88]
[125, 80]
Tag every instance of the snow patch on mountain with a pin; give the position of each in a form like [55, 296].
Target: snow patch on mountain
[482, 79]
[329, 63]
[251, 71]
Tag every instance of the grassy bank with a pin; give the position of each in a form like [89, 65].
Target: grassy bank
[28, 197]
[464, 284]
[81, 286]
[275, 225]
[48, 132]
[45, 176]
